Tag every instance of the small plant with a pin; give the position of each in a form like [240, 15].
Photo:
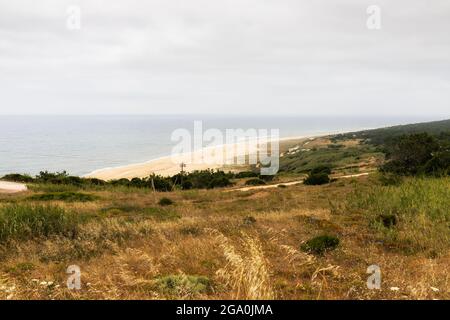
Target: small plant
[161, 214]
[390, 179]
[219, 182]
[20, 268]
[165, 201]
[321, 244]
[388, 220]
[16, 177]
[26, 222]
[246, 174]
[183, 284]
[63, 196]
[317, 179]
[282, 186]
[191, 230]
[321, 169]
[249, 220]
[255, 182]
[411, 217]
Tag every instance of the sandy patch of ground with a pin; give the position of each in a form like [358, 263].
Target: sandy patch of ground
[12, 187]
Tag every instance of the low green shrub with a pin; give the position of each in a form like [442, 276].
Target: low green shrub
[191, 230]
[20, 268]
[219, 182]
[246, 174]
[255, 182]
[249, 220]
[165, 202]
[176, 284]
[20, 221]
[159, 183]
[387, 220]
[16, 177]
[317, 179]
[421, 209]
[321, 244]
[321, 169]
[202, 179]
[390, 179]
[161, 214]
[63, 196]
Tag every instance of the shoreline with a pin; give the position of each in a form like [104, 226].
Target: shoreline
[170, 165]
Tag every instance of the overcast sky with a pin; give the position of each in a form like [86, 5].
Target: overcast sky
[225, 56]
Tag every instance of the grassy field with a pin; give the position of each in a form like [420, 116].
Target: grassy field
[219, 244]
[345, 157]
[290, 242]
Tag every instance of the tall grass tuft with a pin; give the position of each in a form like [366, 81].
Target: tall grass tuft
[20, 221]
[420, 208]
[247, 273]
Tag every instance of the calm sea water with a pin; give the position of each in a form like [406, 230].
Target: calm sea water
[81, 144]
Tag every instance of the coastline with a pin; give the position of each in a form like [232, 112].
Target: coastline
[170, 165]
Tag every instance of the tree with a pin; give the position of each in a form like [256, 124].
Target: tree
[409, 153]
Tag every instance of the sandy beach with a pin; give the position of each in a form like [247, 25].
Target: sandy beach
[12, 187]
[215, 157]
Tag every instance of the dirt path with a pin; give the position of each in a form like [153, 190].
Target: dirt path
[294, 183]
[12, 187]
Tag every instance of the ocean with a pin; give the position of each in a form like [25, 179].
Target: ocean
[82, 144]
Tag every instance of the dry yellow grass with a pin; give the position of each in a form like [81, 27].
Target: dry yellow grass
[209, 250]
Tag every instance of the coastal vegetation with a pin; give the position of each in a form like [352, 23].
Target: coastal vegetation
[204, 235]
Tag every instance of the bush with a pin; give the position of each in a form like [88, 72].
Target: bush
[437, 166]
[249, 220]
[203, 179]
[421, 210]
[390, 179]
[321, 244]
[26, 222]
[159, 183]
[187, 185]
[321, 169]
[45, 176]
[317, 179]
[219, 182]
[161, 214]
[408, 154]
[96, 182]
[191, 230]
[387, 220]
[15, 177]
[120, 182]
[63, 196]
[246, 174]
[165, 202]
[266, 178]
[255, 182]
[182, 284]
[58, 178]
[137, 183]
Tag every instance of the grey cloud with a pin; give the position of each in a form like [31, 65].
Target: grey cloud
[273, 56]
